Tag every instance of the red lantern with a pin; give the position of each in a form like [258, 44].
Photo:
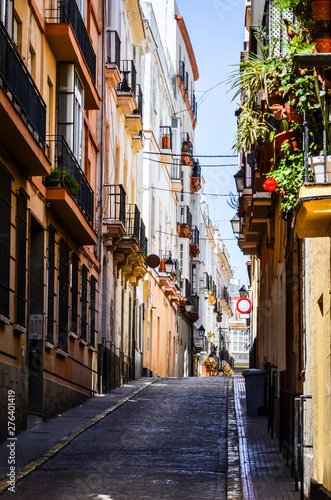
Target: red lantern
[270, 184]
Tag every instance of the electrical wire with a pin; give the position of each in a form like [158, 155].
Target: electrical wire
[146, 188]
[196, 156]
[208, 166]
[200, 238]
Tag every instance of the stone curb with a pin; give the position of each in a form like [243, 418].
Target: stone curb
[233, 480]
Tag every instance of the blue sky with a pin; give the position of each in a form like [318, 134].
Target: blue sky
[216, 29]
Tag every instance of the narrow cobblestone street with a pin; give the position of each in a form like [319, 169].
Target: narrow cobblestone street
[172, 438]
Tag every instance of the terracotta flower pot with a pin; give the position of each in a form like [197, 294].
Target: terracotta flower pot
[289, 138]
[292, 115]
[322, 42]
[165, 142]
[321, 10]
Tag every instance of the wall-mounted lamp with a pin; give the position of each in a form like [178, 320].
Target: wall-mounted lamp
[169, 266]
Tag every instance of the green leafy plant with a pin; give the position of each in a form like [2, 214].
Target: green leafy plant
[60, 177]
[290, 176]
[251, 127]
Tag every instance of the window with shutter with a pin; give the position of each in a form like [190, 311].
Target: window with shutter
[63, 297]
[5, 211]
[50, 285]
[21, 234]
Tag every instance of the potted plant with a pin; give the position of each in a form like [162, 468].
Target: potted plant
[60, 177]
[321, 10]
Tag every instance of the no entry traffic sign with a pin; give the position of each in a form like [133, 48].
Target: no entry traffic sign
[244, 306]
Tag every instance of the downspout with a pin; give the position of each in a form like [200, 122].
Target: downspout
[99, 201]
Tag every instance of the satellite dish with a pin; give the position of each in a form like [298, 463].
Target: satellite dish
[153, 261]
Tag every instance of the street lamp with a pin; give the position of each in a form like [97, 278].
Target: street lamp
[235, 223]
[188, 306]
[239, 179]
[169, 266]
[243, 292]
[201, 331]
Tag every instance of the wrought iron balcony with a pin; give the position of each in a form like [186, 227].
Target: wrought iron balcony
[165, 137]
[196, 170]
[129, 76]
[142, 238]
[186, 288]
[113, 48]
[194, 298]
[138, 96]
[194, 105]
[224, 294]
[175, 169]
[115, 203]
[17, 81]
[165, 254]
[67, 12]
[185, 216]
[181, 71]
[132, 221]
[195, 236]
[67, 173]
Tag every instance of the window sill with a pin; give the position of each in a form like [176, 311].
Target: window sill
[49, 345]
[91, 348]
[82, 342]
[19, 329]
[73, 336]
[61, 353]
[4, 320]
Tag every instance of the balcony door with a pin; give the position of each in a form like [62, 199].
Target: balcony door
[71, 109]
[7, 15]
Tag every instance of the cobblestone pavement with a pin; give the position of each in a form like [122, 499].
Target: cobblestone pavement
[264, 473]
[187, 439]
[169, 441]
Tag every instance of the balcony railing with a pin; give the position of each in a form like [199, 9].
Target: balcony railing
[113, 48]
[16, 80]
[195, 236]
[67, 11]
[165, 254]
[194, 298]
[185, 216]
[196, 170]
[132, 221]
[142, 238]
[224, 294]
[138, 97]
[181, 71]
[129, 76]
[165, 137]
[186, 288]
[194, 105]
[175, 170]
[66, 163]
[115, 203]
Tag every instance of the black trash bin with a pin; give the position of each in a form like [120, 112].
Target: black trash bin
[255, 391]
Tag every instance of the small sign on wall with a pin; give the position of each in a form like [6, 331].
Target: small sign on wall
[36, 326]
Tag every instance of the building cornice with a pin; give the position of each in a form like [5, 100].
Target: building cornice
[188, 45]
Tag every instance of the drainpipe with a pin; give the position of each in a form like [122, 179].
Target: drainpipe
[99, 197]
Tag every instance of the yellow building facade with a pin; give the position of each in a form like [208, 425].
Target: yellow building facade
[48, 162]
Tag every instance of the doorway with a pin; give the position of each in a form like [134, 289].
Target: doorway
[36, 317]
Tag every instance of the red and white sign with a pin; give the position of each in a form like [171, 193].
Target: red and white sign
[244, 306]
